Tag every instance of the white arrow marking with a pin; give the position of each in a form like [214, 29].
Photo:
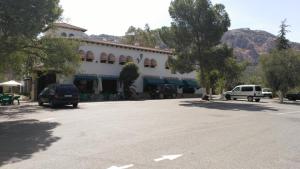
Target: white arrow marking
[124, 167]
[168, 157]
[49, 119]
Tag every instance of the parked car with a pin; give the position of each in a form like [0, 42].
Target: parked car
[293, 96]
[164, 91]
[267, 93]
[59, 94]
[249, 92]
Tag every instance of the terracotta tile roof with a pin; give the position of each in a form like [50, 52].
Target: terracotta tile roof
[133, 47]
[68, 26]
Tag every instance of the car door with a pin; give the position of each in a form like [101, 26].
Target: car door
[236, 92]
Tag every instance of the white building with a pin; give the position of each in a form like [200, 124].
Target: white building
[102, 63]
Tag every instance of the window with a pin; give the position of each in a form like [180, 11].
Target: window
[111, 59]
[122, 60]
[103, 57]
[71, 35]
[82, 55]
[237, 89]
[64, 34]
[129, 59]
[153, 63]
[147, 62]
[247, 89]
[90, 56]
[258, 88]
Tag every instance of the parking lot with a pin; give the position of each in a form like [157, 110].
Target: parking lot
[153, 134]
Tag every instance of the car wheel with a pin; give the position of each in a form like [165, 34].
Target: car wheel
[228, 97]
[75, 105]
[41, 103]
[257, 100]
[250, 99]
[234, 98]
[52, 104]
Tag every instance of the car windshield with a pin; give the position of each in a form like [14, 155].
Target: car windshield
[257, 88]
[266, 90]
[66, 89]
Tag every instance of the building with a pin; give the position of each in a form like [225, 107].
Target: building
[102, 62]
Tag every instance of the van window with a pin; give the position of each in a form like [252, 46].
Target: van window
[237, 89]
[247, 89]
[258, 88]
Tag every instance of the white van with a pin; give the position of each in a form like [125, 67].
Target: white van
[249, 92]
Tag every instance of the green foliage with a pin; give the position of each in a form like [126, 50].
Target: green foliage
[144, 37]
[282, 42]
[128, 75]
[196, 29]
[281, 69]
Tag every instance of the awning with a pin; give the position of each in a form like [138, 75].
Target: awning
[109, 77]
[85, 77]
[153, 81]
[191, 83]
[174, 81]
[11, 83]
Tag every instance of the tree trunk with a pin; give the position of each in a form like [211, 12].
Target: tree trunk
[210, 94]
[280, 96]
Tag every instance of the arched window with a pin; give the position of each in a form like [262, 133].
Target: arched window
[103, 57]
[63, 34]
[153, 63]
[82, 55]
[167, 65]
[122, 60]
[111, 59]
[147, 62]
[129, 59]
[90, 56]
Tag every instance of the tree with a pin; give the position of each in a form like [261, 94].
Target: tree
[197, 27]
[22, 49]
[282, 43]
[281, 69]
[144, 37]
[128, 75]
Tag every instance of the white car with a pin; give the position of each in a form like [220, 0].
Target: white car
[267, 93]
[249, 92]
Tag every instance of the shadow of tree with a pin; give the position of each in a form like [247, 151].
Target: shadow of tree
[13, 112]
[228, 106]
[20, 139]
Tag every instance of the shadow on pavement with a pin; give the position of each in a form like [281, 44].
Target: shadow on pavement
[14, 112]
[19, 140]
[228, 106]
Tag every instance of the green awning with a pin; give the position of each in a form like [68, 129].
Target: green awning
[153, 81]
[174, 81]
[191, 83]
[85, 77]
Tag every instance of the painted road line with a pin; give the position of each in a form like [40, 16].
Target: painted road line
[168, 157]
[123, 167]
[293, 112]
[48, 119]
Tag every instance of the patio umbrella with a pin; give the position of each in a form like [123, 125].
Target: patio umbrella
[11, 83]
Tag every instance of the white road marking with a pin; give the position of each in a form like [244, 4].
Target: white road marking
[293, 112]
[48, 119]
[168, 157]
[123, 167]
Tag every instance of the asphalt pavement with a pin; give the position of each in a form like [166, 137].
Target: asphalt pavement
[154, 134]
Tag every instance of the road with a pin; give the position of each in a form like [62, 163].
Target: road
[159, 134]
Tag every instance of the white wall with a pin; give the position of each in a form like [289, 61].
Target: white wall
[98, 68]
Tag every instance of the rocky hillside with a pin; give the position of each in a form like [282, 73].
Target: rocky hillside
[250, 44]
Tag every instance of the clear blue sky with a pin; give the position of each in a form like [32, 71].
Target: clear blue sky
[115, 16]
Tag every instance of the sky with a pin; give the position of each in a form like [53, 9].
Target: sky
[114, 17]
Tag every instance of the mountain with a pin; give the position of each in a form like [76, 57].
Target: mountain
[105, 37]
[250, 44]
